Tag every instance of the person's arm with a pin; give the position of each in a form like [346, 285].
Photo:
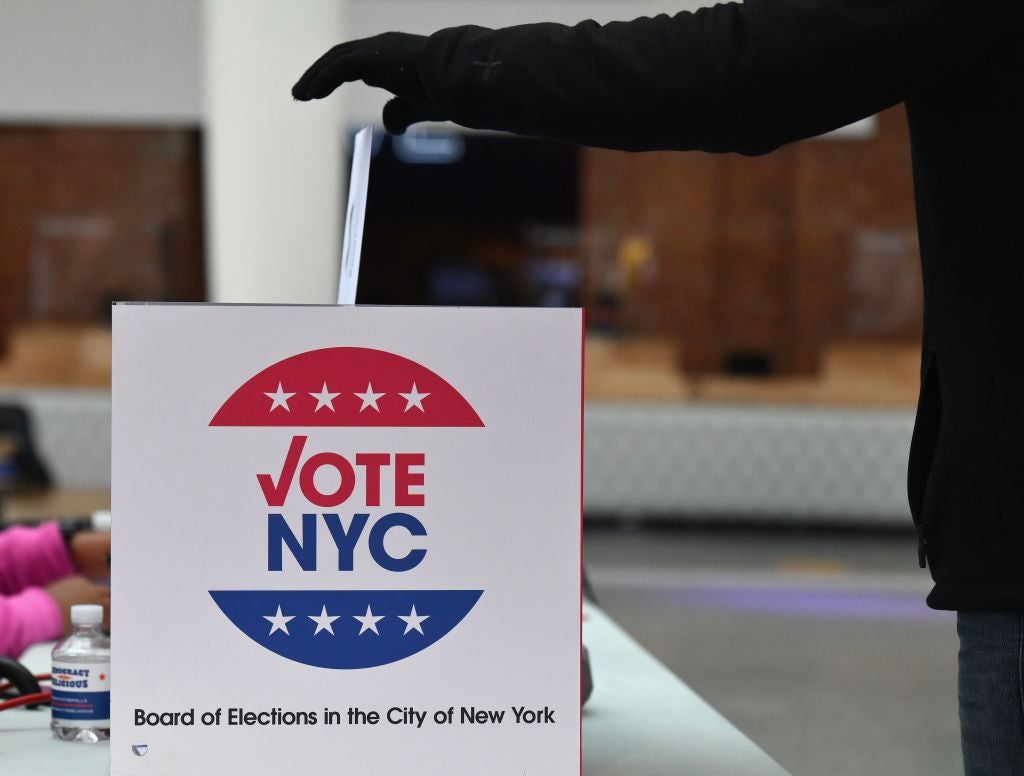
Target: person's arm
[39, 581]
[33, 556]
[31, 616]
[36, 614]
[734, 77]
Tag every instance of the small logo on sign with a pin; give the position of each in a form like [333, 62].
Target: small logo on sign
[346, 627]
[139, 750]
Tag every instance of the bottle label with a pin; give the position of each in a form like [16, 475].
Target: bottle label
[81, 693]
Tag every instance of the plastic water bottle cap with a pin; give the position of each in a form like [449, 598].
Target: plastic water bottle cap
[100, 520]
[86, 614]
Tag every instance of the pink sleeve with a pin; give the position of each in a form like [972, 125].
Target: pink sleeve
[32, 557]
[26, 618]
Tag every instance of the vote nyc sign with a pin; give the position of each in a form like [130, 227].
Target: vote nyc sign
[347, 539]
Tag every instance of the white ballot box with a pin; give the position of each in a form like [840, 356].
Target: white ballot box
[348, 539]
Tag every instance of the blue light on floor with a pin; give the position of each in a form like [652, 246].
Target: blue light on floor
[804, 602]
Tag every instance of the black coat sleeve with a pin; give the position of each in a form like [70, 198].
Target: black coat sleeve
[744, 77]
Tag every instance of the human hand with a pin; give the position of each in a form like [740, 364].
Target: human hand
[388, 61]
[90, 552]
[79, 590]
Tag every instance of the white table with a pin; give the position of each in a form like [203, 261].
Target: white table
[641, 721]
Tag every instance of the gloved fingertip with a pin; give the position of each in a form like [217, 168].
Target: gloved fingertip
[397, 116]
[395, 128]
[322, 87]
[300, 90]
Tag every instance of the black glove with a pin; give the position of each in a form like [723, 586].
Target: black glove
[387, 61]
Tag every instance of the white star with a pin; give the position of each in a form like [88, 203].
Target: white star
[414, 399]
[369, 621]
[413, 620]
[280, 398]
[279, 621]
[324, 399]
[369, 398]
[323, 621]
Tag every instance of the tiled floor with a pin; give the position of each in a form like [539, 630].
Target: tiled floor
[818, 646]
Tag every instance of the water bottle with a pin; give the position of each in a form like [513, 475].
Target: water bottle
[80, 680]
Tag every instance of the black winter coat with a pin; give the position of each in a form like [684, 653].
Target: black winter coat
[751, 77]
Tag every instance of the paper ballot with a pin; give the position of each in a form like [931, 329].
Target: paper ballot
[355, 214]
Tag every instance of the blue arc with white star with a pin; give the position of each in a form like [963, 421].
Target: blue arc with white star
[347, 629]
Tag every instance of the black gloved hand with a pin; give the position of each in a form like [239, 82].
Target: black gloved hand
[387, 61]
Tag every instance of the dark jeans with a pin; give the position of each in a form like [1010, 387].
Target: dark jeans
[992, 693]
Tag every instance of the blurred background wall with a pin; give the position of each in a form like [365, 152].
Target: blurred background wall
[149, 150]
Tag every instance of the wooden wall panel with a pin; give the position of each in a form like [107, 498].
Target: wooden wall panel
[89, 215]
[758, 256]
